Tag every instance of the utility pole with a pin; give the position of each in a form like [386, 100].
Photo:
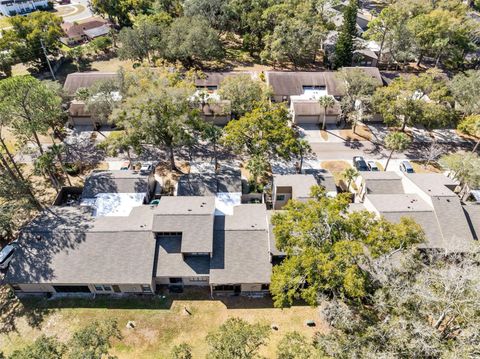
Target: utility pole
[48, 60]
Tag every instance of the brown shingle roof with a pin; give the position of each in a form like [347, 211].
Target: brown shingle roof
[74, 30]
[85, 80]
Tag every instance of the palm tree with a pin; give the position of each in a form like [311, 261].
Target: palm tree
[326, 102]
[258, 167]
[349, 174]
[303, 149]
[396, 141]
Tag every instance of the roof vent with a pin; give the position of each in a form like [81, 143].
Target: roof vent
[38, 237]
[189, 209]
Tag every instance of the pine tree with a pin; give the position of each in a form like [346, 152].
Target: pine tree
[344, 47]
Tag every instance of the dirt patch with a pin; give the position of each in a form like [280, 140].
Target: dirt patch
[324, 135]
[422, 167]
[336, 168]
[362, 133]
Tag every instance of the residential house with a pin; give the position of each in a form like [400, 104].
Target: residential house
[15, 7]
[78, 114]
[80, 32]
[298, 186]
[136, 248]
[426, 198]
[213, 108]
[301, 90]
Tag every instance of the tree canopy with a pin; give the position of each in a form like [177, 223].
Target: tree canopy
[24, 39]
[331, 251]
[423, 99]
[419, 311]
[157, 110]
[238, 339]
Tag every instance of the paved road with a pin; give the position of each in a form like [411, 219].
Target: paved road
[343, 150]
[77, 16]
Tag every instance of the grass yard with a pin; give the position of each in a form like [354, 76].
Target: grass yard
[159, 323]
[362, 133]
[420, 167]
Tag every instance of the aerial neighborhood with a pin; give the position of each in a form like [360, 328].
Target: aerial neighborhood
[239, 179]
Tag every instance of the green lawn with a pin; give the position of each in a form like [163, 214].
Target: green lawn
[160, 322]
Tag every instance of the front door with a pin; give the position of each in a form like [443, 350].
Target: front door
[237, 289]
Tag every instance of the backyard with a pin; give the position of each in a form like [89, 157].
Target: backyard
[160, 323]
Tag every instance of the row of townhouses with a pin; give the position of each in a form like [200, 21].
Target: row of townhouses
[300, 90]
[109, 237]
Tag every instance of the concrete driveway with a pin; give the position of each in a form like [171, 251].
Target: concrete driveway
[75, 11]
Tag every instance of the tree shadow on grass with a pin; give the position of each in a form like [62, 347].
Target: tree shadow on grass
[13, 309]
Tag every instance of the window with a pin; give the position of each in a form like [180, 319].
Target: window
[107, 288]
[313, 87]
[146, 288]
[99, 288]
[265, 286]
[280, 197]
[116, 289]
[223, 287]
[175, 280]
[16, 287]
[71, 289]
[168, 234]
[198, 279]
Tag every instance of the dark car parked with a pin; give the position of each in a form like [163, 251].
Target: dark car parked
[360, 164]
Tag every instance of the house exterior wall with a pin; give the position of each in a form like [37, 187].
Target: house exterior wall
[48, 288]
[186, 281]
[12, 8]
[80, 121]
[314, 119]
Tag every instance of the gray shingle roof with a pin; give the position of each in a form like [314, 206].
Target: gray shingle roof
[65, 250]
[193, 216]
[405, 203]
[301, 184]
[209, 184]
[114, 182]
[433, 184]
[380, 182]
[78, 80]
[240, 257]
[453, 222]
[241, 247]
[170, 262]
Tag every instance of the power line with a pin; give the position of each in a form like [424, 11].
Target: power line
[48, 60]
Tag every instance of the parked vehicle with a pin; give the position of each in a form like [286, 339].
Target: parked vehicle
[147, 168]
[372, 165]
[406, 167]
[125, 166]
[6, 255]
[360, 164]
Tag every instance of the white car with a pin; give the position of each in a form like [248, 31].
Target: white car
[6, 255]
[147, 168]
[372, 165]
